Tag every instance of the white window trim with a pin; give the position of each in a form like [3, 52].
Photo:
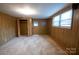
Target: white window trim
[60, 21]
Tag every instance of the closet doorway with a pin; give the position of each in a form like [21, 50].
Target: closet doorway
[23, 28]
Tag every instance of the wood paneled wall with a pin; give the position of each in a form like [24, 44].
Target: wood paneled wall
[7, 28]
[29, 24]
[77, 18]
[40, 29]
[66, 38]
[18, 27]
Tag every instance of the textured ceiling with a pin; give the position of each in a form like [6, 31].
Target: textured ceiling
[44, 9]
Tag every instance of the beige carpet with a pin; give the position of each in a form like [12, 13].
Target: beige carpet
[33, 45]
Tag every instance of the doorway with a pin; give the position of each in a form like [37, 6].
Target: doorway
[23, 28]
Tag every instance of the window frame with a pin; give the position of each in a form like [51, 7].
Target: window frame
[60, 20]
[34, 23]
[53, 21]
[43, 24]
[67, 19]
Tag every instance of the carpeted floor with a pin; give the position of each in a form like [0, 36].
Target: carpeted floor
[33, 45]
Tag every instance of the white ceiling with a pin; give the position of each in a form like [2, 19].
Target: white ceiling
[44, 10]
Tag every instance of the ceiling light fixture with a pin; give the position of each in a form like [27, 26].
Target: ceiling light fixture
[27, 11]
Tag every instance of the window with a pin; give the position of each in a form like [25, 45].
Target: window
[56, 20]
[35, 23]
[63, 20]
[43, 23]
[66, 19]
